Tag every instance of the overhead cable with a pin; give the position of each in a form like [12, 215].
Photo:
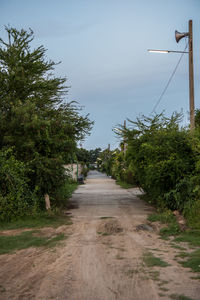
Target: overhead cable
[168, 83]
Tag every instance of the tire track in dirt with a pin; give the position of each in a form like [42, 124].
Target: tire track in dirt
[102, 257]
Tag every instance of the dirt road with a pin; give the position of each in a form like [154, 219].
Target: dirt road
[102, 258]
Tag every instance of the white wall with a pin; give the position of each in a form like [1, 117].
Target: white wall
[71, 170]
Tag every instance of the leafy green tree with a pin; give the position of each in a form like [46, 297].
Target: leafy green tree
[82, 155]
[160, 155]
[94, 154]
[35, 118]
[88, 156]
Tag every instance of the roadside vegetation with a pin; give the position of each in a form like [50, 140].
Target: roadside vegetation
[27, 239]
[162, 158]
[151, 261]
[39, 129]
[44, 219]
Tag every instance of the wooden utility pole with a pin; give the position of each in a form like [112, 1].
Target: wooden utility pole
[191, 78]
[124, 138]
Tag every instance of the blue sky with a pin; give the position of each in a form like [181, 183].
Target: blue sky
[103, 44]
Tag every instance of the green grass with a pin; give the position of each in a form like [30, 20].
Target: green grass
[163, 282]
[191, 236]
[182, 254]
[180, 297]
[193, 261]
[172, 229]
[177, 247]
[168, 218]
[43, 220]
[63, 193]
[164, 217]
[152, 261]
[125, 185]
[195, 277]
[27, 239]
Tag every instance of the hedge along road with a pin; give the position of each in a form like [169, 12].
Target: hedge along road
[102, 259]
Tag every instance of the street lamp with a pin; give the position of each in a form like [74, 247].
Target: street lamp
[178, 37]
[165, 51]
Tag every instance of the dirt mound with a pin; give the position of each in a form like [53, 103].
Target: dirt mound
[109, 227]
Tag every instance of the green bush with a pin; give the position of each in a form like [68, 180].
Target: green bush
[62, 194]
[161, 159]
[85, 170]
[16, 198]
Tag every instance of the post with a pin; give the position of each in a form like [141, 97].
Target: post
[191, 79]
[77, 170]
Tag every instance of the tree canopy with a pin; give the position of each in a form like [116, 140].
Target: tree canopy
[36, 120]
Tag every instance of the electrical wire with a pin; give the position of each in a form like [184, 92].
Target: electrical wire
[169, 81]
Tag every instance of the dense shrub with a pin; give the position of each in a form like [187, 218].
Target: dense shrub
[164, 160]
[16, 198]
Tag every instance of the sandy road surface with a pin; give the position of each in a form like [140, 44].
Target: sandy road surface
[102, 258]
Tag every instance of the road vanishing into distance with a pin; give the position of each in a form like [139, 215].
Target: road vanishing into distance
[104, 256]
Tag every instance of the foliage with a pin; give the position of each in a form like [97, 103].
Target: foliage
[35, 119]
[166, 217]
[89, 157]
[164, 160]
[62, 194]
[16, 198]
[85, 170]
[161, 154]
[106, 160]
[124, 184]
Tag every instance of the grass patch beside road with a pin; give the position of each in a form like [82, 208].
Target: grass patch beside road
[169, 219]
[165, 217]
[125, 185]
[27, 239]
[180, 297]
[191, 237]
[42, 220]
[152, 261]
[193, 261]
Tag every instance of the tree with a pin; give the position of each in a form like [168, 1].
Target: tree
[94, 154]
[160, 156]
[35, 117]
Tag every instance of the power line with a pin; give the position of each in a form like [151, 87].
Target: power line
[170, 79]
